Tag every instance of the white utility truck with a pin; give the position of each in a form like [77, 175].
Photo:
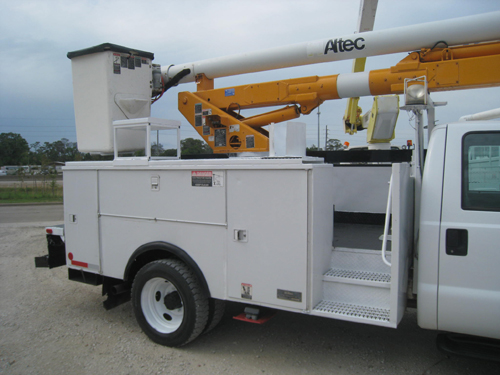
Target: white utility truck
[350, 235]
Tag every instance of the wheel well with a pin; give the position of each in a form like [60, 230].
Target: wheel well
[161, 250]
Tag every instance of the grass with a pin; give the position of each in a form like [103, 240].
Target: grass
[31, 194]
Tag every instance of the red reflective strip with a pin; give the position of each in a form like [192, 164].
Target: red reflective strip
[49, 231]
[79, 264]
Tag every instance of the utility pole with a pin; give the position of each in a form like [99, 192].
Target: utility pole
[326, 136]
[318, 127]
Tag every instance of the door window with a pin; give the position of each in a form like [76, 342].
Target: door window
[481, 171]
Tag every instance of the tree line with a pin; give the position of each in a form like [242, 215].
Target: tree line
[15, 150]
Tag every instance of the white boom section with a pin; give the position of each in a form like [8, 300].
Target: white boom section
[367, 11]
[486, 115]
[470, 29]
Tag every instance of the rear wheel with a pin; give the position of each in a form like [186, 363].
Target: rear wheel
[169, 304]
[216, 309]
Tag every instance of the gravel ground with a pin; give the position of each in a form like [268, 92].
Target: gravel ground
[50, 325]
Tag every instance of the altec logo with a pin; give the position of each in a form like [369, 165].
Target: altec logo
[339, 45]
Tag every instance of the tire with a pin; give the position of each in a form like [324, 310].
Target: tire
[168, 302]
[216, 309]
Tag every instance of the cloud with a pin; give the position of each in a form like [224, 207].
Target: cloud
[36, 35]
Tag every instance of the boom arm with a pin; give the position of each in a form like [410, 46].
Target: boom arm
[214, 113]
[458, 31]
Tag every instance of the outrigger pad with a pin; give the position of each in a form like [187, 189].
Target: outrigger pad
[255, 315]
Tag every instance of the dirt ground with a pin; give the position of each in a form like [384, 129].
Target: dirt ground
[50, 325]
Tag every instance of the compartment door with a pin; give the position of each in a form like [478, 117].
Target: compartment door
[267, 244]
[402, 238]
[81, 228]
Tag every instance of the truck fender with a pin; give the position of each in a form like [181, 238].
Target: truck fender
[161, 250]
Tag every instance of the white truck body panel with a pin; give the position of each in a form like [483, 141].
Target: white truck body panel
[80, 219]
[272, 207]
[361, 189]
[206, 244]
[261, 230]
[402, 237]
[277, 202]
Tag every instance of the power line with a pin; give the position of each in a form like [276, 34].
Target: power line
[13, 130]
[37, 119]
[38, 126]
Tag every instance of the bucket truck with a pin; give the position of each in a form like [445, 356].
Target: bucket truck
[265, 225]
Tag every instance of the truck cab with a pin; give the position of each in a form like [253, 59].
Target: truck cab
[458, 252]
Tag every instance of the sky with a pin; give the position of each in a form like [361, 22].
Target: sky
[36, 94]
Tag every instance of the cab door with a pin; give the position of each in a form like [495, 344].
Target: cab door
[469, 252]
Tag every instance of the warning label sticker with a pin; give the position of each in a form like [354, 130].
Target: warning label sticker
[246, 291]
[201, 178]
[250, 141]
[220, 138]
[207, 178]
[218, 178]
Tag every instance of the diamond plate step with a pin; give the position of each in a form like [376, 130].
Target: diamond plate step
[379, 279]
[352, 312]
[359, 259]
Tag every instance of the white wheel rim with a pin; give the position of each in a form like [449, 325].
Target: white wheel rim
[153, 306]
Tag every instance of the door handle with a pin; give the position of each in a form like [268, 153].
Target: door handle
[240, 235]
[457, 242]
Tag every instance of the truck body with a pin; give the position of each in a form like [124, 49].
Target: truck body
[303, 235]
[354, 241]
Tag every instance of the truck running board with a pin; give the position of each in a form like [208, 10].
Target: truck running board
[469, 346]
